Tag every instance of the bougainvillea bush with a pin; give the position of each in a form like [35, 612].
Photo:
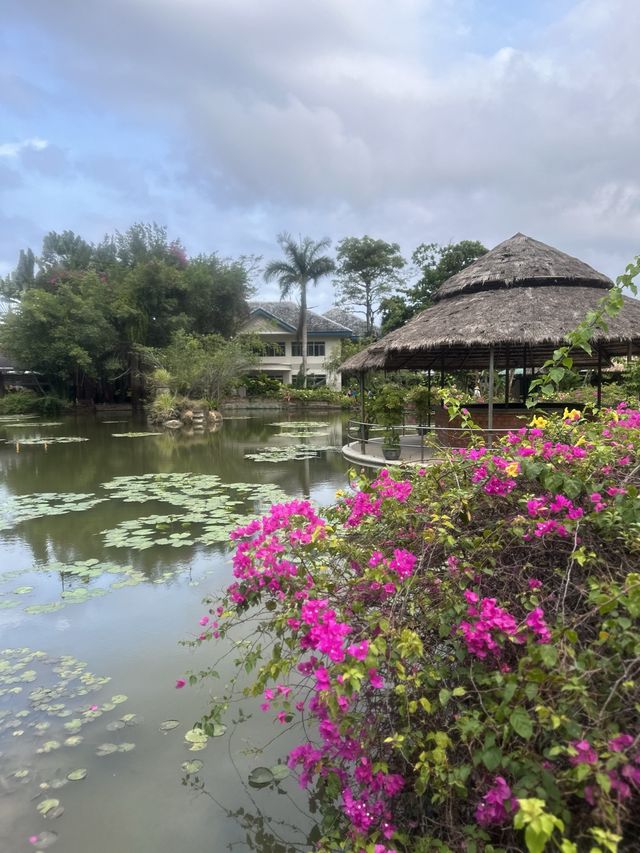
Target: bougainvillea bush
[458, 647]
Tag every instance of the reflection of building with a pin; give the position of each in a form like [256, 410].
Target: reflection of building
[276, 323]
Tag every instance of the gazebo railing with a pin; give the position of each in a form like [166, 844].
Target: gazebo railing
[416, 440]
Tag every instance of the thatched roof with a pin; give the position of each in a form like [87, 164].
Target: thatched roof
[523, 260]
[523, 307]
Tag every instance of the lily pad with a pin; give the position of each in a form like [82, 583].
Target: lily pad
[77, 775]
[46, 806]
[280, 772]
[169, 725]
[261, 777]
[106, 749]
[192, 766]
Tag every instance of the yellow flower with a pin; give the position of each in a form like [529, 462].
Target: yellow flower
[538, 422]
[573, 415]
[513, 469]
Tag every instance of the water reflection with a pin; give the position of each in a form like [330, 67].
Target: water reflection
[132, 633]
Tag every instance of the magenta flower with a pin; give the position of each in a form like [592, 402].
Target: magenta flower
[585, 753]
[534, 583]
[375, 679]
[359, 651]
[497, 805]
[180, 683]
[620, 742]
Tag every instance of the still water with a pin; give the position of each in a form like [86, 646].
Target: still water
[102, 573]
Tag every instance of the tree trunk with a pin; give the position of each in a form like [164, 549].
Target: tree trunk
[303, 325]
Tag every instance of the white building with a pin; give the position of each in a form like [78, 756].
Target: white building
[276, 323]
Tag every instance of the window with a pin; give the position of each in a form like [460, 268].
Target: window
[314, 348]
[275, 348]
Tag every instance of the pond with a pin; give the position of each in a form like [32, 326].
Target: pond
[111, 538]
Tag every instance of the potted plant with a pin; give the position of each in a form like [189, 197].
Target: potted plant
[386, 408]
[420, 396]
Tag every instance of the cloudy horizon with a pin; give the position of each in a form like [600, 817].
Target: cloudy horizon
[411, 121]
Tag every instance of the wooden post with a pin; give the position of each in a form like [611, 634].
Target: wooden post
[490, 401]
[599, 385]
[429, 387]
[506, 377]
[363, 413]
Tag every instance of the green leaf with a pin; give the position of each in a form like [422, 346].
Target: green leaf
[521, 723]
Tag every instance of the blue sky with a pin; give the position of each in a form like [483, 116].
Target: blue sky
[410, 120]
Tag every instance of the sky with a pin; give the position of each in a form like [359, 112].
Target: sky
[230, 121]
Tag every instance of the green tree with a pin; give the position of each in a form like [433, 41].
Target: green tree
[303, 263]
[437, 264]
[23, 277]
[67, 250]
[67, 335]
[367, 270]
[216, 294]
[394, 313]
[203, 365]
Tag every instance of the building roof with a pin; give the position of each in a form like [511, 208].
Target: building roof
[340, 315]
[522, 298]
[287, 314]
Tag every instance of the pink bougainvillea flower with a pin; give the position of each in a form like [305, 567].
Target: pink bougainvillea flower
[534, 583]
[497, 805]
[180, 683]
[620, 742]
[585, 753]
[375, 679]
[359, 651]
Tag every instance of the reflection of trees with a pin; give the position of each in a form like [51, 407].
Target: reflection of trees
[80, 468]
[263, 833]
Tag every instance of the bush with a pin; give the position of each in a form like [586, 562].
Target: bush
[467, 674]
[262, 385]
[163, 408]
[314, 395]
[26, 402]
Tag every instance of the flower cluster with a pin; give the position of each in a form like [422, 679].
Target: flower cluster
[455, 630]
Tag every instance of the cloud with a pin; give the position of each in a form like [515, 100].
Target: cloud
[14, 149]
[411, 120]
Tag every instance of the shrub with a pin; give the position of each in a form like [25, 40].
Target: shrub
[26, 402]
[262, 385]
[163, 407]
[467, 674]
[314, 395]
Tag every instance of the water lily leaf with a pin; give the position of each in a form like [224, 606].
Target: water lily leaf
[195, 736]
[280, 772]
[47, 805]
[169, 725]
[75, 740]
[22, 590]
[117, 700]
[192, 766]
[126, 747]
[77, 775]
[260, 777]
[115, 725]
[106, 749]
[218, 730]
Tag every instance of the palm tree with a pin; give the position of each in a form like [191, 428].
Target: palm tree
[304, 263]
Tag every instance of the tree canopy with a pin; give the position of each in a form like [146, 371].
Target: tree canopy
[85, 309]
[368, 269]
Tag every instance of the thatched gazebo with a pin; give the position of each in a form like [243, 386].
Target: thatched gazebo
[509, 309]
